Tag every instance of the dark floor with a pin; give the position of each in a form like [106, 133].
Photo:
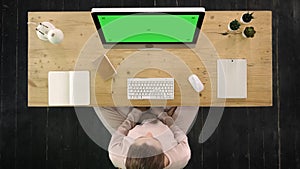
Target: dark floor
[52, 138]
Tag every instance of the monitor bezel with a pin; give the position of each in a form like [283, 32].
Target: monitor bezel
[164, 10]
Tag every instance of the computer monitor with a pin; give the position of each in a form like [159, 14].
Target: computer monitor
[148, 27]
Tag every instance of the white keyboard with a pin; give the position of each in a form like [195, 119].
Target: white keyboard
[150, 88]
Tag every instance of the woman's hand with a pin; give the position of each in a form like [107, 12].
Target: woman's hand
[157, 110]
[170, 111]
[166, 119]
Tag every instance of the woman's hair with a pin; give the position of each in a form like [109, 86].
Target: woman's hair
[144, 156]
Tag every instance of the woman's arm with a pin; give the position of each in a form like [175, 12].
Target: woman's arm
[119, 144]
[180, 154]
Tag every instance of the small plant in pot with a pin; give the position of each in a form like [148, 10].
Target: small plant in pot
[249, 32]
[234, 25]
[247, 17]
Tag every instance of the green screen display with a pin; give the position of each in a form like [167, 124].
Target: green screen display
[157, 28]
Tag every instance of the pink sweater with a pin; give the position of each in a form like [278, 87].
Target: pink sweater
[173, 140]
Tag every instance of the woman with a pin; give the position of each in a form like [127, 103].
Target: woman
[148, 138]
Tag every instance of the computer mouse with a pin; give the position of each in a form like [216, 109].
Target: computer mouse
[196, 83]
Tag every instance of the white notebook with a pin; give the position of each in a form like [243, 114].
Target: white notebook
[68, 88]
[232, 78]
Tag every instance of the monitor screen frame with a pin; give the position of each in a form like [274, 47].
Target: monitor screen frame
[200, 11]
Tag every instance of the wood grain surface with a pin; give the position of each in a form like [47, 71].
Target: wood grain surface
[81, 47]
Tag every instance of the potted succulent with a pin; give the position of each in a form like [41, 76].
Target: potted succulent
[247, 17]
[249, 32]
[234, 25]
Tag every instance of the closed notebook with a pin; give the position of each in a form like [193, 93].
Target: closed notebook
[232, 78]
[68, 88]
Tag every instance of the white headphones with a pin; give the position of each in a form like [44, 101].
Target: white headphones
[47, 32]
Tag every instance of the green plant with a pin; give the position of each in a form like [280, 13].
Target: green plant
[247, 17]
[234, 25]
[249, 32]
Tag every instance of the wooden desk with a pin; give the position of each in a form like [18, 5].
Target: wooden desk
[76, 52]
